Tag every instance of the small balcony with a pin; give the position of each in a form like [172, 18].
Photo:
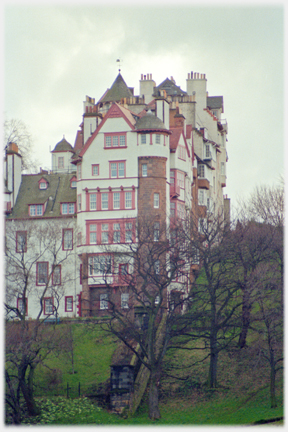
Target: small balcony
[174, 190]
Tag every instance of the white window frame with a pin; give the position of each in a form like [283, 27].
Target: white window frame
[103, 301]
[124, 301]
[156, 201]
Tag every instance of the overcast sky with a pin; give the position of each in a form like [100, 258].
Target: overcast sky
[56, 55]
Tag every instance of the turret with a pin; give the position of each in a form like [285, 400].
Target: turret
[12, 175]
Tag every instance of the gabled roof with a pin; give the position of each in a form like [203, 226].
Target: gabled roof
[175, 137]
[118, 90]
[29, 193]
[171, 88]
[115, 110]
[63, 145]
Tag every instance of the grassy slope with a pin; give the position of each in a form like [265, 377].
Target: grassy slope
[242, 398]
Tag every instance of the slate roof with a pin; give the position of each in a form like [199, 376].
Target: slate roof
[171, 88]
[215, 102]
[149, 122]
[29, 193]
[117, 91]
[63, 145]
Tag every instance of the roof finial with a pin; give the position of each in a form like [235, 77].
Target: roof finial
[63, 136]
[119, 61]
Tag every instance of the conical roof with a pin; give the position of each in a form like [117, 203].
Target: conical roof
[63, 145]
[118, 91]
[149, 122]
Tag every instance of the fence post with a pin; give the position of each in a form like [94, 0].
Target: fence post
[68, 388]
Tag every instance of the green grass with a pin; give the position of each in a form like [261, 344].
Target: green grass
[242, 397]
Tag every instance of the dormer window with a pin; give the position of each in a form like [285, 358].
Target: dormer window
[73, 182]
[43, 184]
[36, 209]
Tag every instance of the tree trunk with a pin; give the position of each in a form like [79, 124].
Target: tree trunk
[27, 391]
[272, 380]
[154, 412]
[212, 375]
[246, 308]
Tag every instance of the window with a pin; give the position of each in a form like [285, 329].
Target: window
[125, 301]
[103, 301]
[104, 233]
[143, 139]
[172, 177]
[79, 172]
[92, 201]
[56, 275]
[48, 305]
[108, 141]
[202, 225]
[21, 241]
[128, 200]
[181, 210]
[157, 300]
[20, 305]
[69, 304]
[156, 200]
[156, 234]
[95, 170]
[104, 201]
[36, 210]
[158, 139]
[41, 273]
[157, 267]
[117, 169]
[42, 185]
[201, 171]
[60, 162]
[172, 209]
[73, 182]
[116, 200]
[67, 239]
[116, 233]
[180, 179]
[123, 269]
[181, 152]
[93, 234]
[115, 140]
[201, 197]
[208, 154]
[99, 265]
[128, 232]
[79, 202]
[144, 170]
[67, 208]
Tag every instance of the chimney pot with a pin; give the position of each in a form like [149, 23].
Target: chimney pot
[142, 77]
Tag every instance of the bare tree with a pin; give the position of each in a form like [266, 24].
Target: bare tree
[33, 253]
[17, 132]
[213, 314]
[258, 238]
[268, 320]
[154, 268]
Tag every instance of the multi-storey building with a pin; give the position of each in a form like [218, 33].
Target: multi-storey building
[161, 154]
